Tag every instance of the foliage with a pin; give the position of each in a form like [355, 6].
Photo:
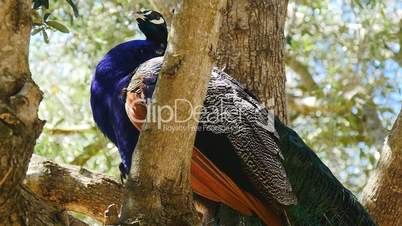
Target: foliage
[63, 69]
[344, 82]
[42, 11]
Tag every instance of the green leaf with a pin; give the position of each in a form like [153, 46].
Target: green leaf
[36, 31]
[358, 3]
[74, 7]
[45, 37]
[36, 4]
[45, 3]
[289, 40]
[372, 159]
[58, 26]
[46, 16]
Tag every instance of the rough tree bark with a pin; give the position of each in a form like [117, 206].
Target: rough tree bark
[251, 47]
[158, 188]
[73, 188]
[19, 123]
[383, 193]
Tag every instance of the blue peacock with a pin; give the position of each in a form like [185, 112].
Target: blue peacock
[274, 166]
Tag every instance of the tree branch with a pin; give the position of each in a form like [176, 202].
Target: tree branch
[398, 55]
[158, 188]
[383, 193]
[69, 130]
[45, 214]
[90, 150]
[306, 78]
[19, 123]
[73, 188]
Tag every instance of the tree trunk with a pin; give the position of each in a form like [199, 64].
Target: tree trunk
[158, 189]
[19, 123]
[383, 193]
[251, 47]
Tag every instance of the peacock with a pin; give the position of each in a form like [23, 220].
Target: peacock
[247, 160]
[284, 180]
[112, 75]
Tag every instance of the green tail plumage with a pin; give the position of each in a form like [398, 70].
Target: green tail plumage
[322, 199]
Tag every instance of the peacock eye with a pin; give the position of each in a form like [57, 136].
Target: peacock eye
[158, 21]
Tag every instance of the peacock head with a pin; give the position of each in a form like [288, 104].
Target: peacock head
[153, 25]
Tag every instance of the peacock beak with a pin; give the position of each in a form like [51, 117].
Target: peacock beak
[139, 16]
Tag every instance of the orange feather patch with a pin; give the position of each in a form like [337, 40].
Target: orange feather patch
[206, 178]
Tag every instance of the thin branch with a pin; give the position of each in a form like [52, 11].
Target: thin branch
[90, 150]
[303, 71]
[69, 130]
